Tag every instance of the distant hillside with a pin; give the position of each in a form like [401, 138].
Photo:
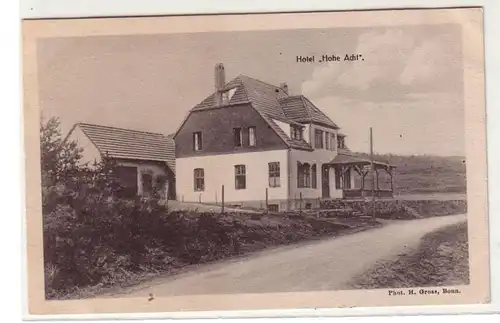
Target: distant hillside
[425, 174]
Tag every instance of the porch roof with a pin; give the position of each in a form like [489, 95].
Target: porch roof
[350, 159]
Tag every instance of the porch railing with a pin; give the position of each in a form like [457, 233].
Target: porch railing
[361, 193]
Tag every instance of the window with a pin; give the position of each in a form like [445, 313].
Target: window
[273, 208]
[237, 137]
[338, 176]
[199, 179]
[147, 184]
[127, 176]
[347, 179]
[327, 140]
[197, 141]
[332, 141]
[318, 138]
[340, 142]
[314, 178]
[274, 174]
[303, 175]
[296, 132]
[161, 187]
[251, 136]
[240, 177]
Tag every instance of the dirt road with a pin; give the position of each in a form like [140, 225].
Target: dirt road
[321, 265]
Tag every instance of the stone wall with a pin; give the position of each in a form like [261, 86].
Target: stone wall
[398, 209]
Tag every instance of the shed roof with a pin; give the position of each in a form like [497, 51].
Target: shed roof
[345, 158]
[131, 144]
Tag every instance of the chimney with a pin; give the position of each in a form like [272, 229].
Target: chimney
[220, 81]
[284, 87]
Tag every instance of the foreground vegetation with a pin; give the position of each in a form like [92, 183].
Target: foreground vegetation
[441, 260]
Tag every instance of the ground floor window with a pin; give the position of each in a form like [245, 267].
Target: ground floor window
[199, 179]
[147, 184]
[240, 177]
[314, 179]
[274, 174]
[273, 208]
[303, 175]
[127, 176]
[347, 179]
[338, 177]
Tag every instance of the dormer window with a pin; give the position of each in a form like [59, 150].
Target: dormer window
[340, 142]
[318, 139]
[296, 132]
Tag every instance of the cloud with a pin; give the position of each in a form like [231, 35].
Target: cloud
[432, 125]
[396, 62]
[426, 61]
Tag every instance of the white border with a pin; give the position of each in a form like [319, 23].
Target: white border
[99, 8]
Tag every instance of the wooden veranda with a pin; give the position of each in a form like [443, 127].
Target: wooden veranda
[344, 163]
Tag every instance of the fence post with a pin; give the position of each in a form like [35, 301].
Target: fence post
[300, 203]
[267, 201]
[222, 199]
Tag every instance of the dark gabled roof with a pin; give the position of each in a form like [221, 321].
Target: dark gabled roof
[131, 144]
[272, 103]
[301, 109]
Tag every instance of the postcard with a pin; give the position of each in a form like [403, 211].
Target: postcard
[188, 164]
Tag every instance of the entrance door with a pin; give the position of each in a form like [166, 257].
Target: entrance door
[325, 181]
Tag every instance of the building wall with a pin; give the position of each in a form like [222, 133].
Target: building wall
[90, 154]
[154, 168]
[219, 170]
[216, 126]
[318, 157]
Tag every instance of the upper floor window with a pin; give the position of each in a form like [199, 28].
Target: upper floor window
[251, 136]
[332, 142]
[296, 132]
[340, 142]
[240, 177]
[327, 140]
[238, 138]
[199, 179]
[274, 174]
[318, 138]
[197, 141]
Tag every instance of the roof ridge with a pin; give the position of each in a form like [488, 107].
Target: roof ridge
[259, 81]
[118, 128]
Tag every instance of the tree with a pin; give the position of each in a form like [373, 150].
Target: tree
[59, 158]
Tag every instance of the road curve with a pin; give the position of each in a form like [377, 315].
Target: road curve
[322, 265]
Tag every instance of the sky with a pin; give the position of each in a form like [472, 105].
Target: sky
[408, 86]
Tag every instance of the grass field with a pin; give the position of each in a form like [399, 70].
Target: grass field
[424, 174]
[442, 259]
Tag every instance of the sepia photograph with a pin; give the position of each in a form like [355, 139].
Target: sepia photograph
[202, 163]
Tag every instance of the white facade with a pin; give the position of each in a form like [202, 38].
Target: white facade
[220, 170]
[90, 153]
